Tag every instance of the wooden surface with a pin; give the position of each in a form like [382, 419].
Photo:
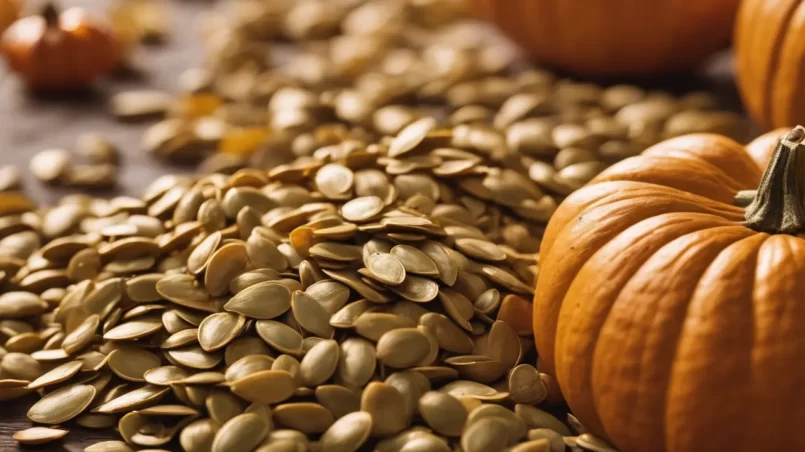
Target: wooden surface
[29, 124]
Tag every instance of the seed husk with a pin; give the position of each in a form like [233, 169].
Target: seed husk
[22, 366]
[525, 385]
[134, 329]
[382, 402]
[200, 256]
[245, 346]
[195, 357]
[218, 330]
[138, 398]
[109, 446]
[240, 434]
[21, 304]
[62, 404]
[131, 364]
[38, 435]
[248, 365]
[340, 400]
[224, 264]
[443, 413]
[264, 300]
[319, 363]
[486, 434]
[402, 348]
[58, 375]
[414, 260]
[165, 375]
[223, 406]
[311, 315]
[280, 336]
[265, 387]
[199, 435]
[386, 268]
[417, 289]
[348, 433]
[357, 362]
[306, 417]
[373, 325]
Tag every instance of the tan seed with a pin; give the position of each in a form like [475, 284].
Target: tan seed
[50, 165]
[198, 435]
[21, 304]
[263, 253]
[417, 289]
[386, 268]
[348, 433]
[223, 406]
[588, 441]
[226, 263]
[22, 366]
[504, 344]
[265, 387]
[134, 329]
[58, 375]
[320, 363]
[334, 181]
[200, 256]
[131, 363]
[245, 346]
[181, 338]
[265, 300]
[484, 435]
[357, 362]
[280, 336]
[536, 445]
[362, 209]
[449, 336]
[138, 398]
[240, 434]
[109, 446]
[248, 365]
[38, 435]
[62, 404]
[165, 375]
[414, 260]
[402, 348]
[311, 315]
[195, 357]
[525, 385]
[383, 403]
[443, 413]
[306, 417]
[340, 400]
[218, 330]
[373, 325]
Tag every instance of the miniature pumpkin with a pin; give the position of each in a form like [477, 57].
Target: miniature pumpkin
[614, 37]
[769, 49]
[9, 12]
[59, 50]
[672, 318]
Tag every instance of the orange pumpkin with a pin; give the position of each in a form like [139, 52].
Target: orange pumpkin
[59, 50]
[672, 318]
[614, 37]
[9, 12]
[769, 49]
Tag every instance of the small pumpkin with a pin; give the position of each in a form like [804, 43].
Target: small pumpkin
[59, 50]
[614, 37]
[9, 12]
[769, 49]
[671, 317]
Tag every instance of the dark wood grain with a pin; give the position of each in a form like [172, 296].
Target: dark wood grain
[29, 124]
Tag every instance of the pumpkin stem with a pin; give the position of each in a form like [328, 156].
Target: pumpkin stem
[779, 206]
[51, 14]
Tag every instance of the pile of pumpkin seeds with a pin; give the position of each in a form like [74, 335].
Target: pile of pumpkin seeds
[351, 269]
[57, 166]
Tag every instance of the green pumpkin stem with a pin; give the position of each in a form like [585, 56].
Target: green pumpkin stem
[779, 205]
[51, 14]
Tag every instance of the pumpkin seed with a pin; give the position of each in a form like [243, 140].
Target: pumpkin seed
[194, 357]
[200, 257]
[183, 337]
[414, 260]
[38, 435]
[62, 404]
[537, 418]
[131, 363]
[226, 263]
[109, 446]
[165, 375]
[218, 330]
[504, 344]
[135, 329]
[386, 268]
[338, 399]
[265, 300]
[525, 385]
[402, 347]
[21, 304]
[138, 398]
[331, 295]
[373, 325]
[311, 315]
[486, 434]
[587, 441]
[241, 433]
[382, 402]
[357, 362]
[443, 413]
[58, 375]
[320, 363]
[199, 435]
[265, 386]
[280, 336]
[22, 366]
[224, 406]
[248, 365]
[245, 346]
[348, 433]
[306, 417]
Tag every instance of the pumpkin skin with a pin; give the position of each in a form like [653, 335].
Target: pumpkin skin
[614, 37]
[9, 12]
[769, 49]
[669, 324]
[60, 50]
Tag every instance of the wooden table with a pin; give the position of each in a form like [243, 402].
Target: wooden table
[29, 124]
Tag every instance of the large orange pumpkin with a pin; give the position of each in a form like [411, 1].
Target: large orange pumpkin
[671, 322]
[614, 37]
[769, 49]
